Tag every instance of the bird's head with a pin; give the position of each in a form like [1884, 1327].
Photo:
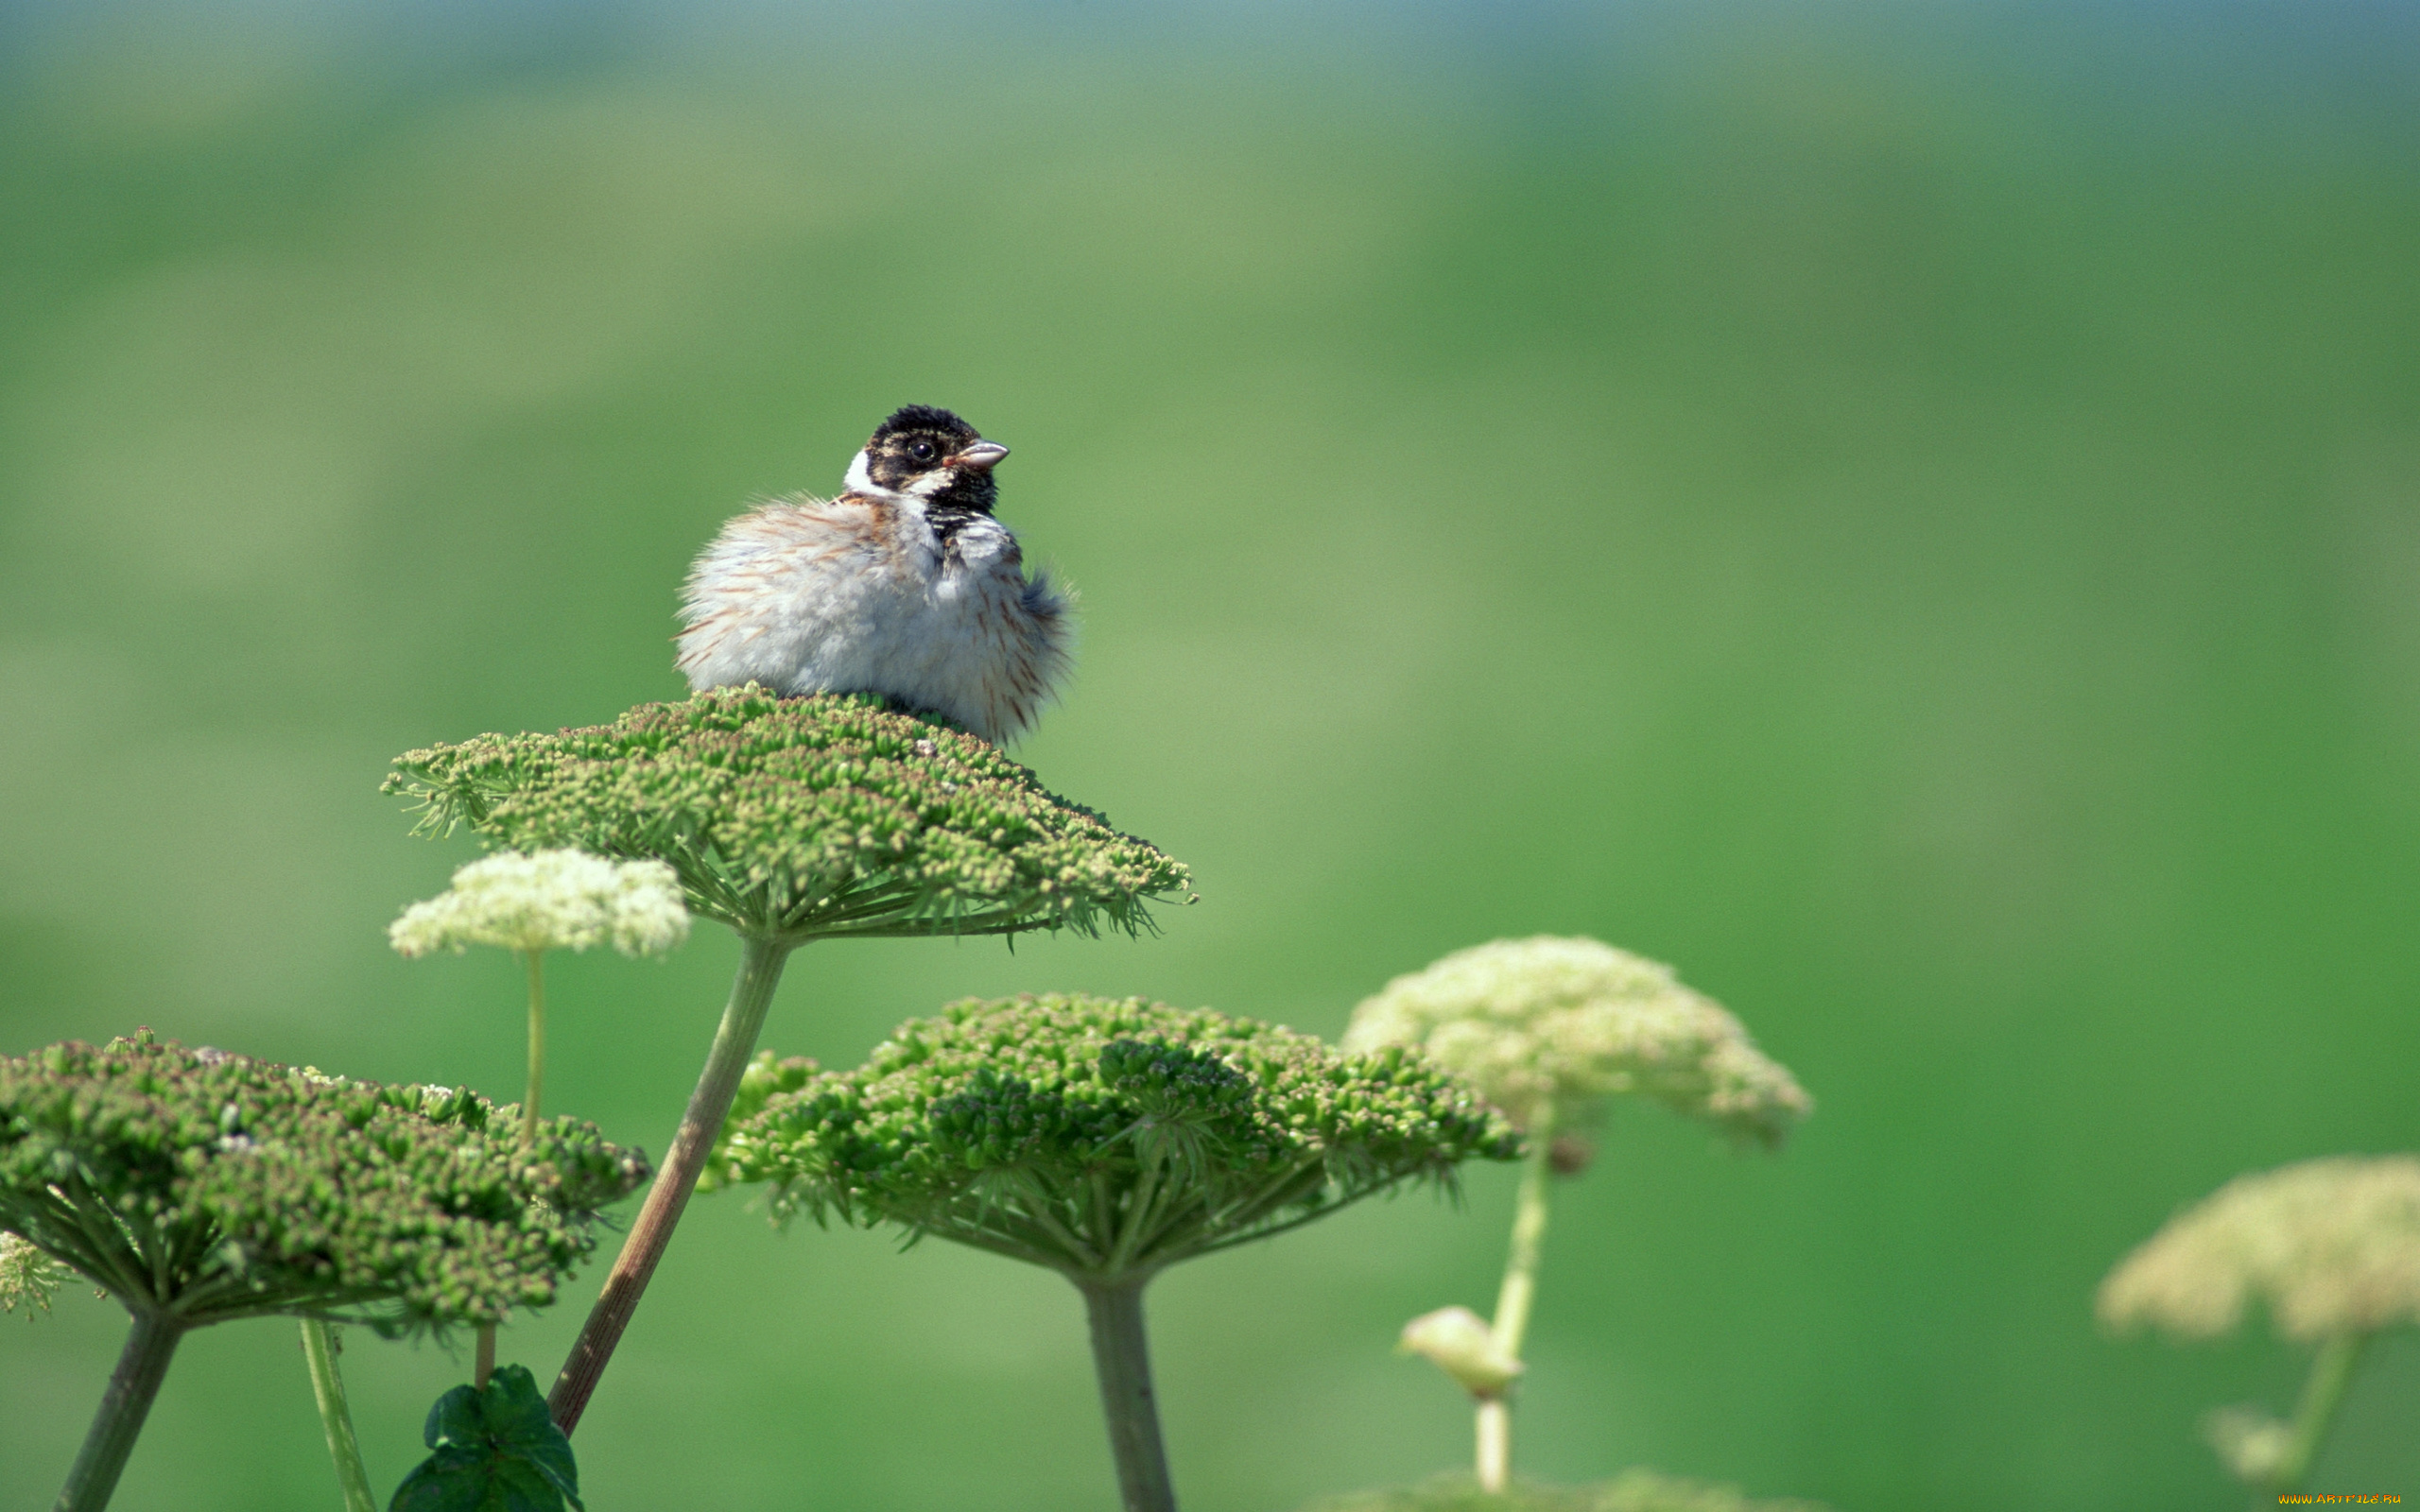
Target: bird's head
[931, 455]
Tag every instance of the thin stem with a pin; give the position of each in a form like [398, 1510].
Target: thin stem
[97, 1222]
[1529, 1229]
[1122, 1359]
[998, 1245]
[1167, 1248]
[336, 1418]
[1513, 1300]
[141, 1366]
[1129, 1233]
[2322, 1393]
[537, 960]
[761, 959]
[1104, 1223]
[1494, 1442]
[483, 1353]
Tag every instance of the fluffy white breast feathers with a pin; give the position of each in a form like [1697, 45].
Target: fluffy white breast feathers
[905, 585]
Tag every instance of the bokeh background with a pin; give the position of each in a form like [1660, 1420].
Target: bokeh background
[1909, 513]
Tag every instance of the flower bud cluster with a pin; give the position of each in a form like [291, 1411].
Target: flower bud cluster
[2330, 1246]
[551, 900]
[810, 818]
[1550, 1027]
[767, 1074]
[1459, 1341]
[2253, 1445]
[206, 1186]
[1106, 1137]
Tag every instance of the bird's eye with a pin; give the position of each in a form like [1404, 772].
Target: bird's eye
[921, 451]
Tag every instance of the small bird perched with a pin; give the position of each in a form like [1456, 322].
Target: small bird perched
[903, 585]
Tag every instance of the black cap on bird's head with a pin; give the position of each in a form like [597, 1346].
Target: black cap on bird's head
[934, 455]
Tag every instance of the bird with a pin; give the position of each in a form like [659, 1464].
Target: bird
[903, 585]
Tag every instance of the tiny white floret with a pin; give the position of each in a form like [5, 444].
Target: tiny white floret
[27, 1276]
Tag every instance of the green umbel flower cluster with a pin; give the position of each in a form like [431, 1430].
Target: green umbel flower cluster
[813, 817]
[1105, 1139]
[768, 1077]
[200, 1186]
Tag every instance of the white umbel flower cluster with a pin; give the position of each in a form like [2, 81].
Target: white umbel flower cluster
[2330, 1246]
[1552, 1026]
[550, 901]
[27, 1276]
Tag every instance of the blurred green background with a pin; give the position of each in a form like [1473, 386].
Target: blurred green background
[1912, 513]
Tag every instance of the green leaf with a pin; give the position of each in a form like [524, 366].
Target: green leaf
[494, 1450]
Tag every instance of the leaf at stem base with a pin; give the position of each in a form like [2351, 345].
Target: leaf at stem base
[495, 1449]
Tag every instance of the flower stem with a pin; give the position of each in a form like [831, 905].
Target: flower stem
[1122, 1359]
[537, 960]
[1513, 1300]
[483, 1357]
[761, 959]
[1494, 1442]
[2322, 1393]
[336, 1418]
[141, 1366]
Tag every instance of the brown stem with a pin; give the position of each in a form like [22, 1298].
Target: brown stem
[743, 1019]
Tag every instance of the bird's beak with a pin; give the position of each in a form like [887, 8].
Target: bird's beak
[978, 457]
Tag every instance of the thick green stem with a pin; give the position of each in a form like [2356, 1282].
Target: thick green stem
[743, 1019]
[1122, 1359]
[1520, 1288]
[483, 1356]
[141, 1366]
[2322, 1393]
[336, 1418]
[537, 960]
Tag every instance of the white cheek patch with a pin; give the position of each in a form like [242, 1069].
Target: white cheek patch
[860, 478]
[931, 482]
